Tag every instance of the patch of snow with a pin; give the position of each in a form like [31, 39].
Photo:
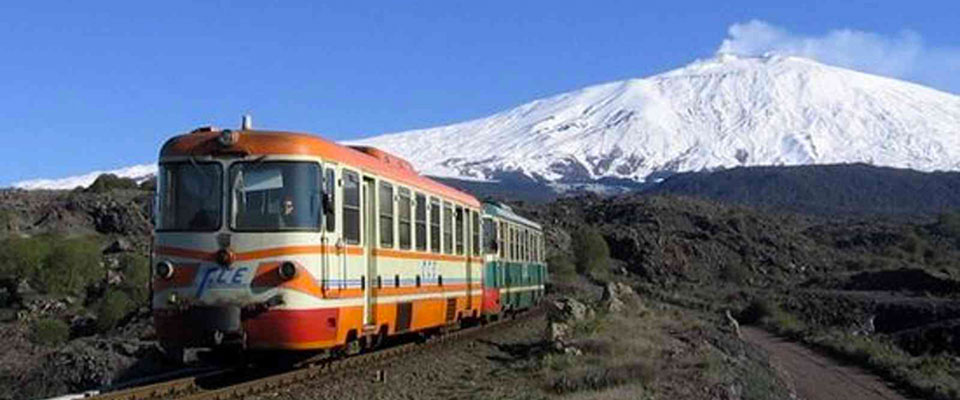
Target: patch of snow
[139, 173]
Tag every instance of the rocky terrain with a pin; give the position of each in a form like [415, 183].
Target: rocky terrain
[875, 291]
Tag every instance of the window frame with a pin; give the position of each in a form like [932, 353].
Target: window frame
[329, 182]
[344, 206]
[403, 195]
[420, 200]
[230, 211]
[447, 228]
[386, 212]
[459, 238]
[220, 181]
[435, 214]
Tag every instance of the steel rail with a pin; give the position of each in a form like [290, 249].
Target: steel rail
[189, 388]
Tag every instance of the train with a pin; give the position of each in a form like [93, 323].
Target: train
[285, 241]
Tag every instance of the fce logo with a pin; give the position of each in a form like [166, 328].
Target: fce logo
[216, 277]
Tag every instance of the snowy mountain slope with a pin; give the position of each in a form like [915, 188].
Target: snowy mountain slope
[137, 172]
[722, 112]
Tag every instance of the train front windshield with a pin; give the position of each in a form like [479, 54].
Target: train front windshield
[275, 196]
[189, 196]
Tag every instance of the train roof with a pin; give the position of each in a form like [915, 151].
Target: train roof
[504, 211]
[206, 142]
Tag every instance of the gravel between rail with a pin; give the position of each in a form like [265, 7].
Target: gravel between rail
[474, 368]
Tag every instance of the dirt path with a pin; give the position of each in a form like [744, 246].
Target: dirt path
[816, 377]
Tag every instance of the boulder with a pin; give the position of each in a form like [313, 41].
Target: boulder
[620, 297]
[568, 310]
[120, 245]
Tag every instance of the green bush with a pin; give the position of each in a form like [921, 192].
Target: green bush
[50, 332]
[136, 274]
[560, 265]
[591, 251]
[70, 266]
[20, 258]
[948, 224]
[112, 308]
[109, 182]
[8, 221]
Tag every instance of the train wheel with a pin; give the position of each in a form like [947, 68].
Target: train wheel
[353, 347]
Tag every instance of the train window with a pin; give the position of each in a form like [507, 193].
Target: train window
[275, 195]
[523, 245]
[475, 226]
[447, 228]
[461, 221]
[527, 252]
[504, 241]
[489, 236]
[514, 244]
[330, 190]
[189, 196]
[403, 218]
[351, 207]
[421, 222]
[386, 214]
[434, 225]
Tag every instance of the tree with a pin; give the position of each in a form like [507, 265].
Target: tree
[591, 250]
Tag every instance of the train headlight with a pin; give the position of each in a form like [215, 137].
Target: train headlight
[229, 138]
[164, 269]
[225, 257]
[287, 270]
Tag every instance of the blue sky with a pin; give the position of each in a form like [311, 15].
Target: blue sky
[100, 85]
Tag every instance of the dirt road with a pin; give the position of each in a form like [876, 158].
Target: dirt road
[816, 377]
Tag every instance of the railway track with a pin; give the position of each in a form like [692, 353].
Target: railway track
[235, 382]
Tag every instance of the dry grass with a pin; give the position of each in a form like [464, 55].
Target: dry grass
[657, 353]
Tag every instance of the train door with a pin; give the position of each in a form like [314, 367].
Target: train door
[369, 242]
[468, 252]
[329, 238]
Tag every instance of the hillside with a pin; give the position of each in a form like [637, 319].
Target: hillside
[850, 189]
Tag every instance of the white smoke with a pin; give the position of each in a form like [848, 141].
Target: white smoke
[903, 55]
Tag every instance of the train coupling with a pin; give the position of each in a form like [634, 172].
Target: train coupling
[221, 338]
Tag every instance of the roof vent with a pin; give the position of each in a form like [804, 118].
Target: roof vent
[202, 129]
[246, 123]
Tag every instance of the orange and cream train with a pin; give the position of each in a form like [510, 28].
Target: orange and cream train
[276, 240]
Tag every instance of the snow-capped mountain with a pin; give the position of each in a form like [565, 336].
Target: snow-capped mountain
[717, 113]
[137, 172]
[722, 112]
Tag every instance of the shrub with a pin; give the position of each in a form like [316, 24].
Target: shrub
[20, 258]
[136, 274]
[8, 221]
[112, 308]
[149, 185]
[591, 250]
[109, 182]
[50, 332]
[70, 266]
[948, 224]
[560, 265]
